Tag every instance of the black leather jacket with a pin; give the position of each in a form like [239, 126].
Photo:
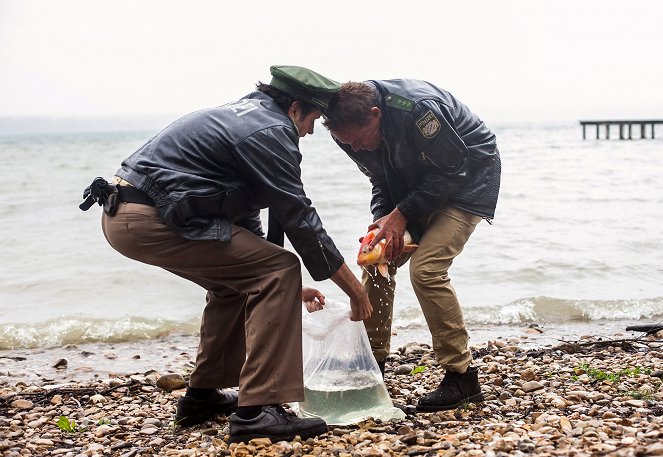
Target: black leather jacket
[434, 152]
[220, 166]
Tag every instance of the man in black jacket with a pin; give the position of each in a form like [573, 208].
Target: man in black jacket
[435, 170]
[188, 201]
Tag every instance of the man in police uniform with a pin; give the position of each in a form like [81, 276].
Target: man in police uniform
[188, 201]
[435, 169]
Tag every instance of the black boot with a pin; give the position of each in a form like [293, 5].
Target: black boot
[194, 410]
[454, 390]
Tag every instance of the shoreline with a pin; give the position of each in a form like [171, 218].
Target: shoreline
[176, 352]
[586, 398]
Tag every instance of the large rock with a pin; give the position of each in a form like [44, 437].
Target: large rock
[170, 382]
[531, 386]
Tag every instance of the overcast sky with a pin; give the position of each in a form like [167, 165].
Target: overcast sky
[519, 60]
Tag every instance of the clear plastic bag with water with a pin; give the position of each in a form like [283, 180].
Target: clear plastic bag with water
[342, 381]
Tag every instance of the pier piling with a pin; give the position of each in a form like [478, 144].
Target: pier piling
[622, 124]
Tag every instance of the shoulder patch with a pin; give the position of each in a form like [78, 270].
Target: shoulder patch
[429, 125]
[396, 101]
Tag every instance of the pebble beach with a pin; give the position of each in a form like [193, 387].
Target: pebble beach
[582, 398]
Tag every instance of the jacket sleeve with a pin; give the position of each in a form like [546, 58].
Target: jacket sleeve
[439, 151]
[271, 157]
[370, 165]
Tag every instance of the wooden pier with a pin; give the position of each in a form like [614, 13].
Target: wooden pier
[625, 128]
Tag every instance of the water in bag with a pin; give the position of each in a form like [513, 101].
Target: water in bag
[342, 381]
[359, 396]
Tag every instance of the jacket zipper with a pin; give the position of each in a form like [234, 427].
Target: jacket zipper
[322, 248]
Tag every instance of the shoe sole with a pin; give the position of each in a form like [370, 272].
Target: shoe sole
[303, 434]
[478, 398]
[188, 421]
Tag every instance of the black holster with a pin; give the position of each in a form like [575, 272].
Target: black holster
[103, 193]
[112, 202]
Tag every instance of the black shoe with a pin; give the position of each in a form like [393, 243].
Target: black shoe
[454, 390]
[192, 411]
[276, 424]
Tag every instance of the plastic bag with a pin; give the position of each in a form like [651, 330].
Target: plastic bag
[342, 381]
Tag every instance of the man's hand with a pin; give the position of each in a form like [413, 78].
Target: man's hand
[360, 307]
[313, 299]
[392, 228]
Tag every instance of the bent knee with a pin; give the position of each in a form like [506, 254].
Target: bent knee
[289, 260]
[424, 276]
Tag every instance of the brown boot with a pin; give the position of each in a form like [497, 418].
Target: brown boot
[454, 390]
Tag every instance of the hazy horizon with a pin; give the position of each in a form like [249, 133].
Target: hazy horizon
[515, 61]
[91, 124]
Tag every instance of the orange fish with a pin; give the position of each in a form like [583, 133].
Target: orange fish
[376, 256]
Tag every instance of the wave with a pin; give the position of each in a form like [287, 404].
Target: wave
[76, 330]
[539, 309]
[542, 309]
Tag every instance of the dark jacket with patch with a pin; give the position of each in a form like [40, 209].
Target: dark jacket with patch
[434, 152]
[220, 166]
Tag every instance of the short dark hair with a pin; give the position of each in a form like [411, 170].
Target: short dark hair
[351, 106]
[285, 100]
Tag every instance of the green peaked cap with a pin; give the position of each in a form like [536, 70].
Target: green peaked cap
[304, 84]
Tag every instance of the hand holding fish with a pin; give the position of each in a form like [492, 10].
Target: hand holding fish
[391, 229]
[385, 241]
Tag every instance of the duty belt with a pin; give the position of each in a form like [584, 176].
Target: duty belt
[110, 195]
[130, 194]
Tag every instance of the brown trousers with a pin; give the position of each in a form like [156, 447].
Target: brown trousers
[445, 234]
[251, 333]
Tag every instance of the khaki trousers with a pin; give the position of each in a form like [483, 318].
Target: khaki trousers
[250, 334]
[445, 233]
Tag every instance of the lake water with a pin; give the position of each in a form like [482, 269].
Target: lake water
[576, 246]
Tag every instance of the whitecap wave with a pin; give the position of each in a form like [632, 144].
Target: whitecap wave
[76, 330]
[541, 309]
